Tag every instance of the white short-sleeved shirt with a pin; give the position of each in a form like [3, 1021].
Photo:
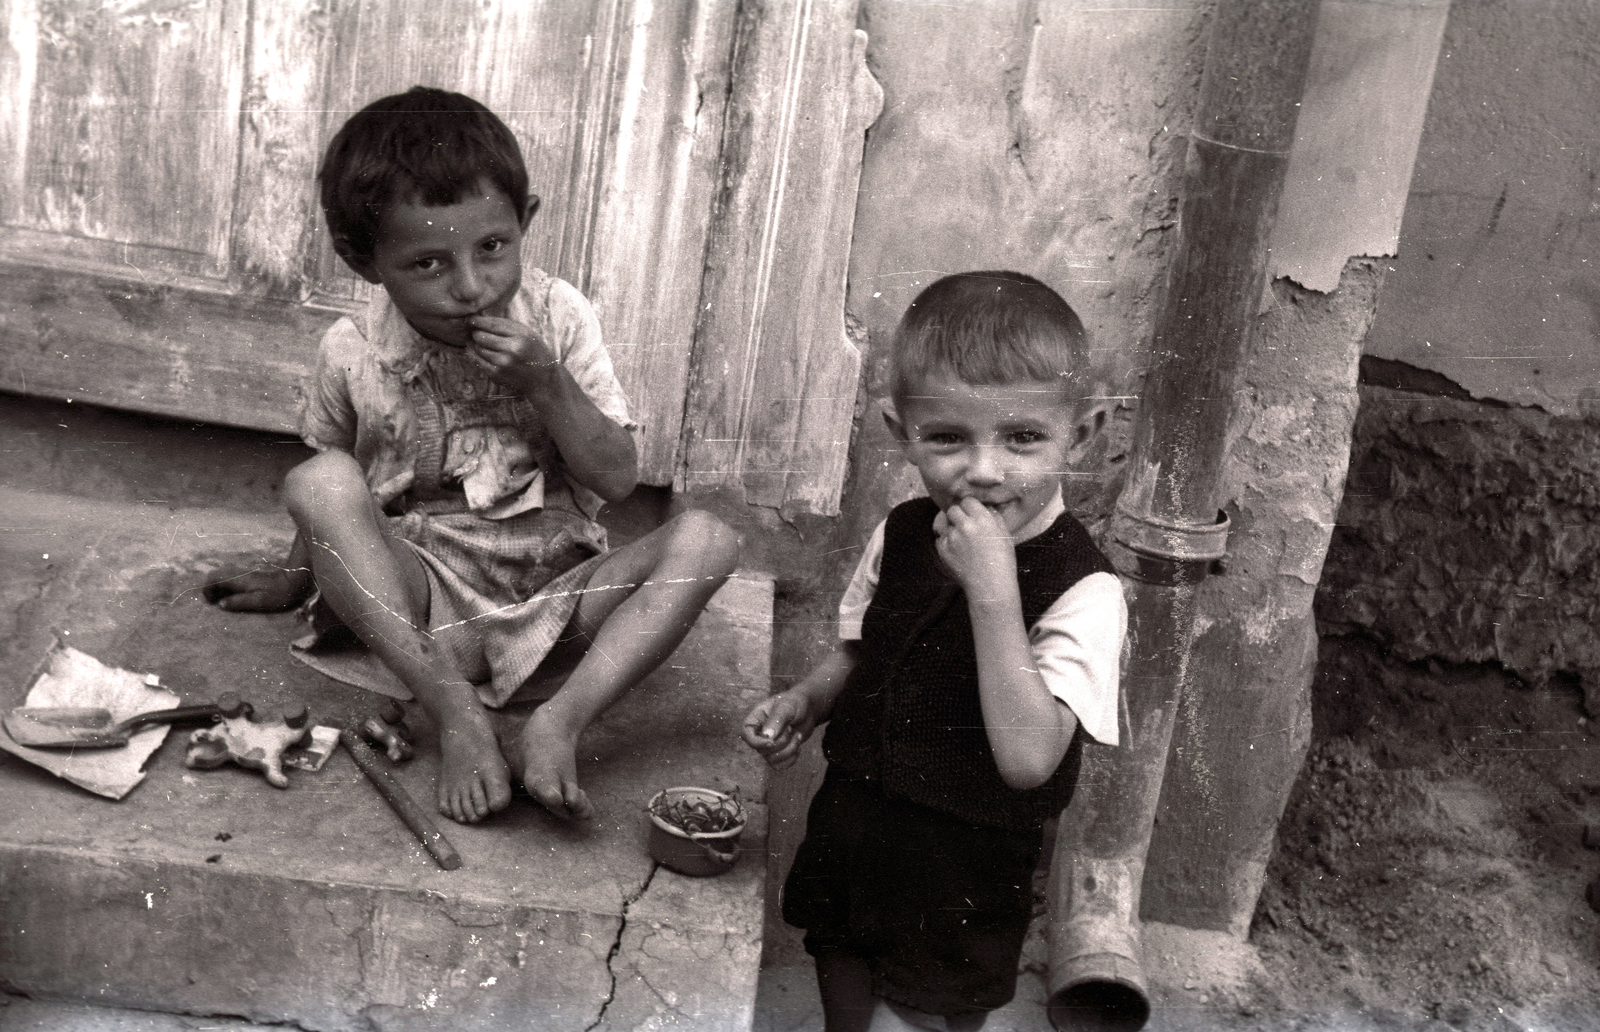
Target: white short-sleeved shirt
[1077, 643]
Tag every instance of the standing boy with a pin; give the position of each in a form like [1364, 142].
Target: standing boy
[469, 427]
[982, 630]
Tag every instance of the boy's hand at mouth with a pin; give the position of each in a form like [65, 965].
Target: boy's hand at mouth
[974, 544]
[509, 351]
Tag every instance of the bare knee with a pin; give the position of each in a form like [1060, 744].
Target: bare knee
[327, 482]
[699, 538]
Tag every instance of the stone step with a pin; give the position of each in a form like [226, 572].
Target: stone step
[210, 892]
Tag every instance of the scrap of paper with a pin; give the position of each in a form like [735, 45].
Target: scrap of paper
[67, 677]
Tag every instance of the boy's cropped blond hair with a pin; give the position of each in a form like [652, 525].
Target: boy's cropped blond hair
[988, 328]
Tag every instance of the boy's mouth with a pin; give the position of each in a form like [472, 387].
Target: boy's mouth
[458, 326]
[996, 508]
[442, 329]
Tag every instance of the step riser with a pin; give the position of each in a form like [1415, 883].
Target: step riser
[338, 957]
[329, 957]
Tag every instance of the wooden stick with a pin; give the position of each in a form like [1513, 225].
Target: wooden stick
[400, 800]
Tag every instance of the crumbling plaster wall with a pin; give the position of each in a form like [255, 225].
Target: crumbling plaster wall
[1496, 285]
[1467, 532]
[1244, 721]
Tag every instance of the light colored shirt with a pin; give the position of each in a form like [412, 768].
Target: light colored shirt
[1076, 643]
[356, 401]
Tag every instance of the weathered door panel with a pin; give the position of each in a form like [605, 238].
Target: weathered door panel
[654, 203]
[772, 405]
[200, 354]
[115, 179]
[131, 140]
[277, 223]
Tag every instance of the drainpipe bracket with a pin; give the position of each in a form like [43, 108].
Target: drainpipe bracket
[1165, 552]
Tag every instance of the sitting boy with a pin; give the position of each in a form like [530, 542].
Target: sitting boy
[981, 631]
[469, 428]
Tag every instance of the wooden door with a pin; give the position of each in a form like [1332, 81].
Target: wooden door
[161, 247]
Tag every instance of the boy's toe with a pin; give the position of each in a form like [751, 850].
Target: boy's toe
[548, 796]
[577, 803]
[566, 801]
[497, 797]
[457, 805]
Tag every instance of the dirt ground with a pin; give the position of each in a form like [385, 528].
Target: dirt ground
[1431, 865]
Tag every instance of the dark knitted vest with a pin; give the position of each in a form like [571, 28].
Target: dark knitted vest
[909, 715]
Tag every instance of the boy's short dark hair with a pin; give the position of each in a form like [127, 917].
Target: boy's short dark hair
[426, 144]
[988, 328]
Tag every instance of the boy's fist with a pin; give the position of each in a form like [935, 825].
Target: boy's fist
[256, 591]
[974, 544]
[778, 727]
[508, 350]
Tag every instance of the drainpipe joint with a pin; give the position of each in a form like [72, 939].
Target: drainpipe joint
[1167, 553]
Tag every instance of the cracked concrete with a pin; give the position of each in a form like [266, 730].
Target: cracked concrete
[209, 892]
[616, 947]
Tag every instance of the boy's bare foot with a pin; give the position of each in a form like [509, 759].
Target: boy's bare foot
[547, 755]
[474, 780]
[256, 591]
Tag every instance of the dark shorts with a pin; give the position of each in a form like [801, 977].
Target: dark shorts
[937, 907]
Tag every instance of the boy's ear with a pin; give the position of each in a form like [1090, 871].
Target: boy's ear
[1087, 429]
[891, 418]
[533, 207]
[360, 264]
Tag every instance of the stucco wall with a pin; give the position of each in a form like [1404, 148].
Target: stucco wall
[1041, 138]
[1496, 284]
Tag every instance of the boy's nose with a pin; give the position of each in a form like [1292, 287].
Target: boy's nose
[986, 467]
[467, 284]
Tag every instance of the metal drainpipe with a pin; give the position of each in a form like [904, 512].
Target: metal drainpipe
[1167, 531]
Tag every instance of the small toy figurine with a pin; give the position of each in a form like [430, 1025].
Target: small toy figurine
[388, 730]
[249, 744]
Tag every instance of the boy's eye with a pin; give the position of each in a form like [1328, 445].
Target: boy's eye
[494, 244]
[941, 438]
[1026, 438]
[426, 264]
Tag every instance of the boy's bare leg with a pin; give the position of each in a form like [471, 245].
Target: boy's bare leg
[637, 607]
[844, 981]
[378, 588]
[889, 1017]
